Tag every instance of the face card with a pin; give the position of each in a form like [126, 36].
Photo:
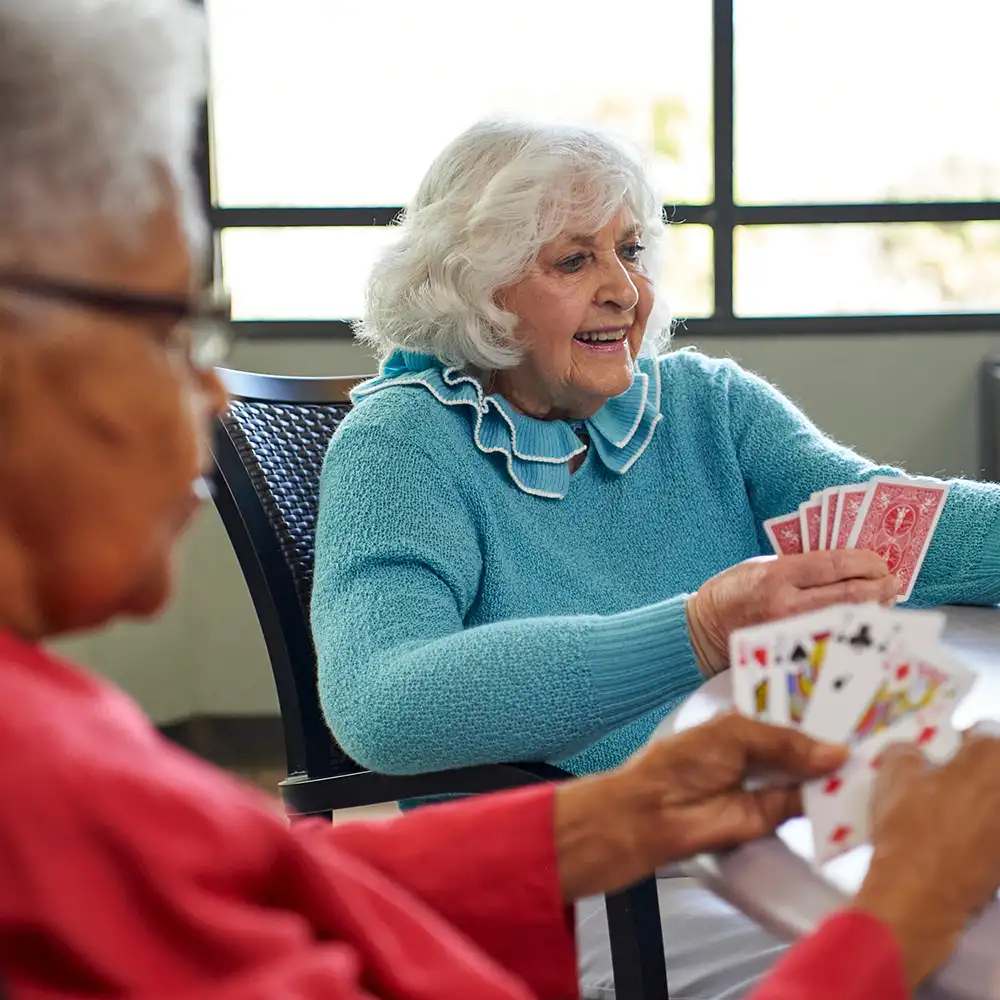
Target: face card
[928, 684]
[850, 677]
[785, 534]
[829, 500]
[809, 516]
[750, 655]
[897, 521]
[849, 501]
[799, 650]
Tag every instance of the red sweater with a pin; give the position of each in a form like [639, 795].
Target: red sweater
[130, 868]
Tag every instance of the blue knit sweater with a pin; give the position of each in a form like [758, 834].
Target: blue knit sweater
[463, 617]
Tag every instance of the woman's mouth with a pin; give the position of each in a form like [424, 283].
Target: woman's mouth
[605, 341]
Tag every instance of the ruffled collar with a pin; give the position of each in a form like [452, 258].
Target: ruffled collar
[537, 453]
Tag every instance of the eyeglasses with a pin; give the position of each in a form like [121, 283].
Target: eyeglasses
[202, 330]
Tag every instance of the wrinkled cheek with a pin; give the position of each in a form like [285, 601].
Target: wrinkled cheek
[647, 302]
[173, 420]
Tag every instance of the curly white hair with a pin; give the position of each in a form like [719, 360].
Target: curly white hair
[491, 200]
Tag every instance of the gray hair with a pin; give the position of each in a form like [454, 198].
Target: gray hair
[491, 200]
[97, 109]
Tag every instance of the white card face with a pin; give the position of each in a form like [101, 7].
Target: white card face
[921, 626]
[927, 685]
[839, 806]
[851, 674]
[799, 651]
[750, 654]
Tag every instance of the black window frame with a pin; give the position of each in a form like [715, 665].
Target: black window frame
[723, 215]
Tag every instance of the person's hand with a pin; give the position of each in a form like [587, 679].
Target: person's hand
[936, 834]
[768, 588]
[679, 796]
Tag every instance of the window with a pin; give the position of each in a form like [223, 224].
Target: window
[822, 167]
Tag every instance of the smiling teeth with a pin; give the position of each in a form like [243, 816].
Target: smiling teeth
[615, 335]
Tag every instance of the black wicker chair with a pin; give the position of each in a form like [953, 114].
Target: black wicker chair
[268, 451]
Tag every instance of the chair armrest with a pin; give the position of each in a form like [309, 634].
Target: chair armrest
[633, 914]
[304, 796]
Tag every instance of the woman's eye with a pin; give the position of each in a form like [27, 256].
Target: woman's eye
[632, 251]
[572, 264]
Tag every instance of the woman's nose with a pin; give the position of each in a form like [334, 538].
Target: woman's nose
[618, 289]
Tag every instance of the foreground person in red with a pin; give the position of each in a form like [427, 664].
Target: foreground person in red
[131, 870]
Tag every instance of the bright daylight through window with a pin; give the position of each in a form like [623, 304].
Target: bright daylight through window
[836, 110]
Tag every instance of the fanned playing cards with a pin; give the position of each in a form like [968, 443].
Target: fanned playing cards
[856, 674]
[892, 516]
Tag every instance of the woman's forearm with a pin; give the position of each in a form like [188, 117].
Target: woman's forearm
[525, 689]
[851, 956]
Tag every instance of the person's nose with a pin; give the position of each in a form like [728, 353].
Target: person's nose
[617, 289]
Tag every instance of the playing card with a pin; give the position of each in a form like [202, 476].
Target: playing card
[927, 682]
[897, 521]
[849, 502]
[785, 534]
[919, 627]
[809, 517]
[817, 498]
[799, 649]
[750, 654]
[829, 500]
[838, 806]
[859, 674]
[920, 687]
[851, 674]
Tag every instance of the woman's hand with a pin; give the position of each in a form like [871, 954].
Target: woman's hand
[936, 833]
[679, 796]
[768, 588]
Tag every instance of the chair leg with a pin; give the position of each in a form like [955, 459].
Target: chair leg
[636, 936]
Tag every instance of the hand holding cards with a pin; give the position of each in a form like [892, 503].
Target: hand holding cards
[894, 517]
[860, 675]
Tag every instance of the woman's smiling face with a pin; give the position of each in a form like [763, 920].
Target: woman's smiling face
[582, 311]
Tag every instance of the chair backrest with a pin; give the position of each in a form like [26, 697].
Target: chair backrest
[268, 452]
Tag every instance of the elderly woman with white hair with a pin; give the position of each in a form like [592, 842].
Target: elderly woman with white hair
[537, 529]
[129, 869]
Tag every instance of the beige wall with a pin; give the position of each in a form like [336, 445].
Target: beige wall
[909, 400]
